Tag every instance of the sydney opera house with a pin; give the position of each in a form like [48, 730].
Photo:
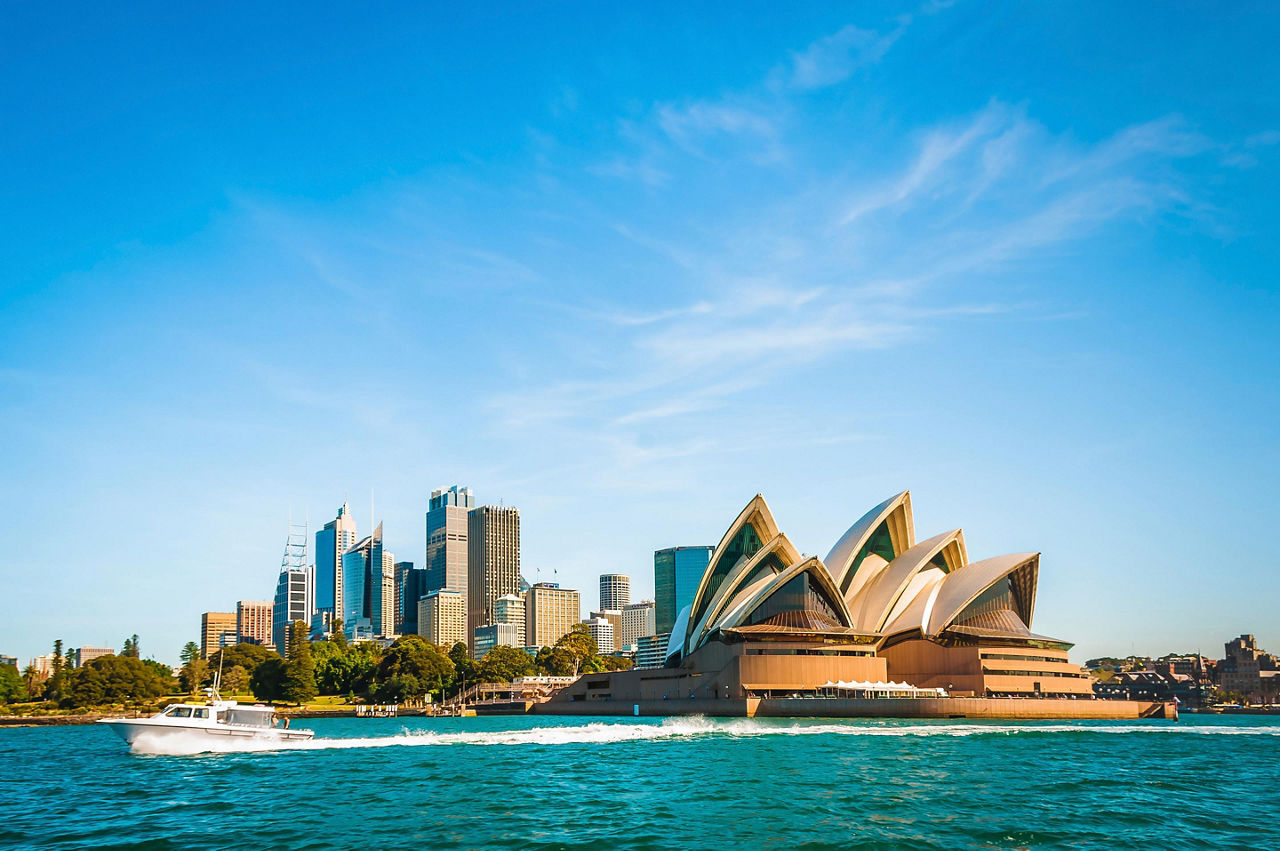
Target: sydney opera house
[882, 608]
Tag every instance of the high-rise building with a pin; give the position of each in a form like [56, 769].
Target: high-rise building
[676, 574]
[442, 618]
[294, 602]
[510, 609]
[601, 630]
[337, 536]
[549, 612]
[637, 621]
[493, 560]
[614, 617]
[615, 591]
[357, 585]
[213, 628]
[253, 622]
[492, 635]
[382, 587]
[446, 562]
[410, 585]
[8, 660]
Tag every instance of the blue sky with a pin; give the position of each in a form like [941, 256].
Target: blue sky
[626, 267]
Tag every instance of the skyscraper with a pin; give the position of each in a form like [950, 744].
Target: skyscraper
[382, 587]
[214, 626]
[549, 612]
[493, 561]
[357, 593]
[294, 589]
[442, 618]
[676, 574]
[253, 622]
[510, 609]
[446, 562]
[615, 591]
[637, 621]
[601, 630]
[337, 536]
[409, 587]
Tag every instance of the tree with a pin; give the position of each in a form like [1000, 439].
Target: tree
[131, 649]
[576, 648]
[12, 688]
[114, 679]
[337, 633]
[193, 675]
[235, 680]
[190, 651]
[247, 656]
[56, 687]
[503, 664]
[464, 666]
[299, 670]
[409, 667]
[267, 680]
[32, 679]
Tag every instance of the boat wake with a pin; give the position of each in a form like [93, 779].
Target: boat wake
[675, 729]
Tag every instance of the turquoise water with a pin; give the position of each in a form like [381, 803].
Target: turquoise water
[651, 783]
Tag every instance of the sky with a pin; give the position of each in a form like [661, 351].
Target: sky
[625, 266]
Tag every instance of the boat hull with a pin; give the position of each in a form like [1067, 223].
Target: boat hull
[133, 729]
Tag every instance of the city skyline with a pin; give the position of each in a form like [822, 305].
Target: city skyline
[1019, 261]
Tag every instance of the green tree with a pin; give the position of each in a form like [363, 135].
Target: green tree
[463, 665]
[577, 647]
[235, 680]
[114, 679]
[247, 656]
[343, 668]
[193, 675]
[55, 688]
[338, 634]
[12, 688]
[32, 679]
[267, 680]
[300, 668]
[409, 667]
[131, 649]
[190, 651]
[503, 664]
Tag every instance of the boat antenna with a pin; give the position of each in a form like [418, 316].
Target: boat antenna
[217, 679]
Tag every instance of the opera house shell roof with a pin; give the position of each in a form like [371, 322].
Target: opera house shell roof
[878, 585]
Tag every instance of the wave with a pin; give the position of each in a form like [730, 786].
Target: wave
[602, 733]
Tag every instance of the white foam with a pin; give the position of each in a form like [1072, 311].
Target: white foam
[604, 733]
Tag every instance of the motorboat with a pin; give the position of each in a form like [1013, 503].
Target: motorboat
[214, 722]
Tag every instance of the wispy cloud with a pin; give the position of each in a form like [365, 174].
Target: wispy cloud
[831, 59]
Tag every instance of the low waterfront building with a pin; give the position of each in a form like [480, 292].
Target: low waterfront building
[493, 635]
[601, 630]
[1249, 671]
[84, 655]
[1150, 684]
[442, 618]
[214, 628]
[651, 650]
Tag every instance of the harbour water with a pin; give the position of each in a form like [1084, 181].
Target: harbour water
[547, 782]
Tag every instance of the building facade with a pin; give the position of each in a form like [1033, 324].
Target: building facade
[84, 655]
[601, 630]
[337, 536]
[442, 618]
[493, 635]
[550, 612]
[1249, 671]
[293, 602]
[357, 576]
[509, 609]
[447, 553]
[637, 621]
[253, 622]
[214, 627]
[676, 573]
[613, 616]
[651, 650]
[493, 560]
[615, 591]
[410, 586]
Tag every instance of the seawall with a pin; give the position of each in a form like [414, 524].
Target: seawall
[934, 707]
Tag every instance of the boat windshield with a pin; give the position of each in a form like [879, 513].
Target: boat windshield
[249, 718]
[178, 712]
